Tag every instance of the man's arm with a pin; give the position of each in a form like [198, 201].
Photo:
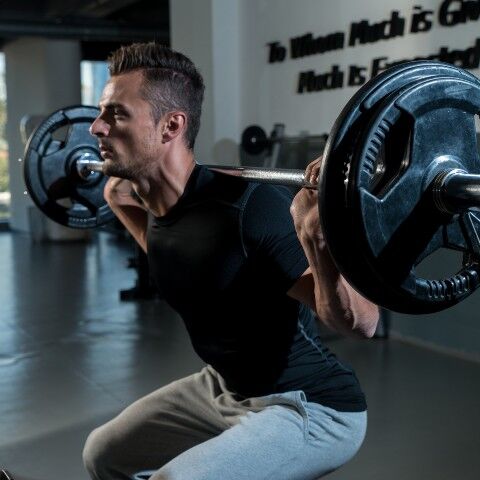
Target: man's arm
[321, 286]
[128, 208]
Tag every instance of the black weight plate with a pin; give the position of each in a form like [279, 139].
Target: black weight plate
[50, 175]
[342, 144]
[254, 140]
[413, 135]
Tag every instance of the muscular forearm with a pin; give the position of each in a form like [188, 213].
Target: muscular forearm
[336, 303]
[322, 286]
[128, 209]
[135, 221]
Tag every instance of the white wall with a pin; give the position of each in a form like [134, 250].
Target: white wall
[191, 34]
[228, 39]
[208, 31]
[269, 90]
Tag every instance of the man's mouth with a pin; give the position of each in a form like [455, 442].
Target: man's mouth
[105, 152]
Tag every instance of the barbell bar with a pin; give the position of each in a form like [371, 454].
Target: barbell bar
[278, 176]
[453, 191]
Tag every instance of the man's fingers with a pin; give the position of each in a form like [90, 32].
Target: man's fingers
[312, 170]
[315, 173]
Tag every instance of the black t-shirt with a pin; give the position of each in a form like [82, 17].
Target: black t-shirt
[224, 257]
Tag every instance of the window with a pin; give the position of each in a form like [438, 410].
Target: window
[4, 178]
[94, 75]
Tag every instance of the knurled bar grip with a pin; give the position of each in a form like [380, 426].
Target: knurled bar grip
[279, 176]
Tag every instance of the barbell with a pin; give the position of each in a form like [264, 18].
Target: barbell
[399, 180]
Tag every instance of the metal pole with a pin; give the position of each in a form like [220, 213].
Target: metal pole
[277, 176]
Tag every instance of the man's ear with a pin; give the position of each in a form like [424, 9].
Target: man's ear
[174, 125]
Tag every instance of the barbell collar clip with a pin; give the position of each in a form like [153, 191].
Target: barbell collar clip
[455, 191]
[85, 167]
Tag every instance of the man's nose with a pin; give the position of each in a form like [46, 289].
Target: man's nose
[99, 128]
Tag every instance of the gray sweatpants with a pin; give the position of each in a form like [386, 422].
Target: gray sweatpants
[195, 429]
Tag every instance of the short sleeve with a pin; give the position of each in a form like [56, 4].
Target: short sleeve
[269, 234]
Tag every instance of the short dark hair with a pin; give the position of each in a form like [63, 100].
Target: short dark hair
[171, 81]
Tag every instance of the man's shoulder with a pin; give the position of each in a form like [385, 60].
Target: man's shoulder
[238, 192]
[225, 189]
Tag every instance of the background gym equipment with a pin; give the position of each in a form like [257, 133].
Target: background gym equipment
[144, 288]
[258, 150]
[4, 475]
[400, 177]
[279, 150]
[255, 140]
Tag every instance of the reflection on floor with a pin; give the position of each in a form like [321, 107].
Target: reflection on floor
[72, 356]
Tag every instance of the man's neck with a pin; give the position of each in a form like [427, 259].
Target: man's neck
[161, 189]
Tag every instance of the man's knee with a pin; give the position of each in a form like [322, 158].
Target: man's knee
[99, 452]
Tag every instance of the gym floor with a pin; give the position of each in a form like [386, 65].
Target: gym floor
[72, 356]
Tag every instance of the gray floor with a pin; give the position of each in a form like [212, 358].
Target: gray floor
[72, 355]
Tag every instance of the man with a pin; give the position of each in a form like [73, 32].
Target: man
[244, 267]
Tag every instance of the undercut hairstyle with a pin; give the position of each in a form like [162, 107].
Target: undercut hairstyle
[171, 81]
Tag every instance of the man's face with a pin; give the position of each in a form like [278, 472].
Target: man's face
[129, 140]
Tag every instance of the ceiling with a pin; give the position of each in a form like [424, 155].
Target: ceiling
[100, 25]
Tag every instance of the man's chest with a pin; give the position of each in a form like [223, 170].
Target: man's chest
[201, 251]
